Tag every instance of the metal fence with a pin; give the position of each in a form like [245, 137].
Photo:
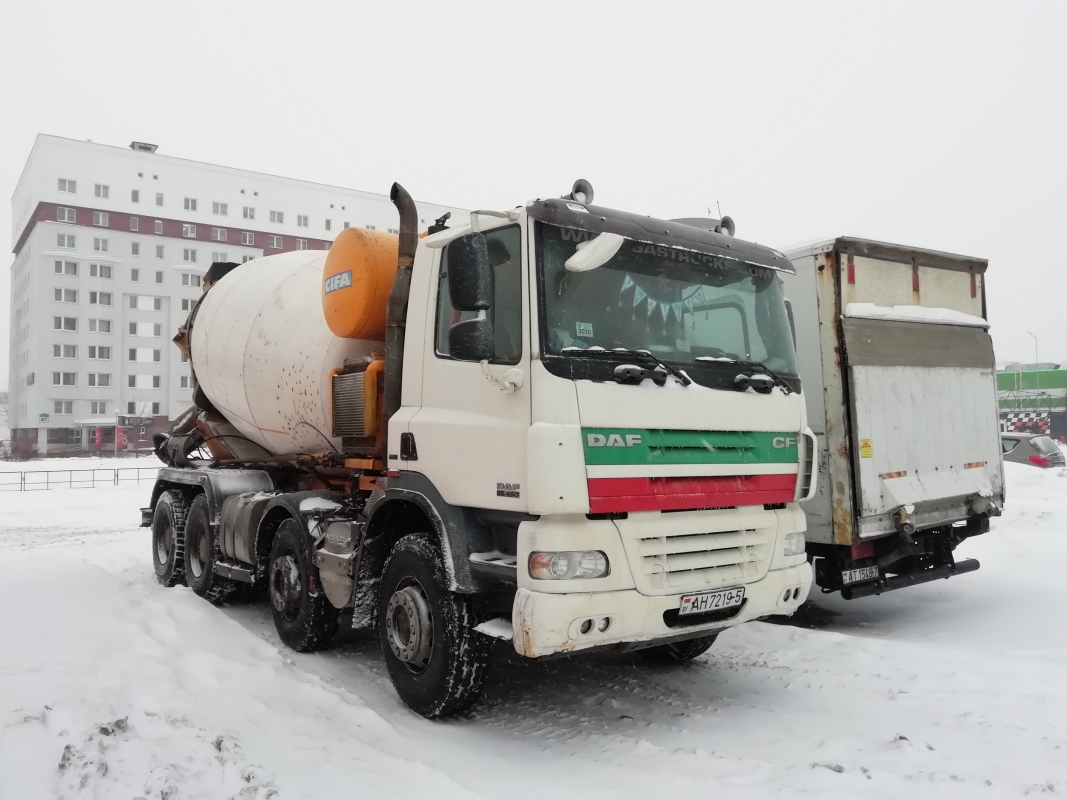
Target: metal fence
[39, 480]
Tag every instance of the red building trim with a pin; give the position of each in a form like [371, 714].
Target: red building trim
[119, 221]
[612, 495]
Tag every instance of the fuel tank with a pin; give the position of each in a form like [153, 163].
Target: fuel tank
[261, 343]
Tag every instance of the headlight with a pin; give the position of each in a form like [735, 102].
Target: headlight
[564, 565]
[794, 544]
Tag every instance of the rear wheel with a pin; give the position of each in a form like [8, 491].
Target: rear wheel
[168, 537]
[202, 553]
[680, 652]
[303, 616]
[436, 660]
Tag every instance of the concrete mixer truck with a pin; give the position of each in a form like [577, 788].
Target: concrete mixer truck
[562, 425]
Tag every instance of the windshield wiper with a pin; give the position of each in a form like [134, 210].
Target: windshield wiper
[746, 380]
[684, 379]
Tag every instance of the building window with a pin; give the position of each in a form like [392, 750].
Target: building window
[301, 244]
[218, 234]
[133, 301]
[100, 326]
[158, 227]
[247, 237]
[64, 351]
[131, 408]
[325, 245]
[346, 224]
[66, 296]
[301, 220]
[189, 231]
[189, 254]
[131, 380]
[97, 407]
[135, 224]
[135, 275]
[66, 215]
[68, 186]
[64, 378]
[63, 407]
[275, 242]
[329, 224]
[100, 245]
[155, 409]
[157, 305]
[185, 358]
[99, 270]
[65, 239]
[159, 198]
[184, 381]
[190, 280]
[157, 381]
[100, 219]
[133, 329]
[133, 357]
[99, 378]
[248, 213]
[156, 355]
[219, 257]
[393, 230]
[135, 195]
[190, 204]
[65, 323]
[246, 259]
[135, 248]
[277, 216]
[222, 209]
[371, 227]
[101, 191]
[159, 251]
[186, 304]
[99, 298]
[159, 276]
[99, 353]
[66, 267]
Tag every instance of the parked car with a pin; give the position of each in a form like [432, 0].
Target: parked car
[1036, 449]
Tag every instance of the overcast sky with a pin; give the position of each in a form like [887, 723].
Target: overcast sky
[935, 124]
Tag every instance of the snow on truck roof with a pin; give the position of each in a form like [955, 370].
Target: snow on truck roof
[886, 251]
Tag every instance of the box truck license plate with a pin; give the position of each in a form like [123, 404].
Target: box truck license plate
[711, 601]
[859, 575]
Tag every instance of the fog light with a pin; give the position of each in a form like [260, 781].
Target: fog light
[794, 544]
[586, 626]
[568, 564]
[603, 624]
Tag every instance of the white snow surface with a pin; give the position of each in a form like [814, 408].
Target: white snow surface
[113, 687]
[941, 316]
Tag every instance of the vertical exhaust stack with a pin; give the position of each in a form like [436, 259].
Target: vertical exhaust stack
[396, 310]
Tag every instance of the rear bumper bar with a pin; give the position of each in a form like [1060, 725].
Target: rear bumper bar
[911, 579]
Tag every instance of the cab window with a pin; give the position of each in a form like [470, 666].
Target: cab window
[505, 257]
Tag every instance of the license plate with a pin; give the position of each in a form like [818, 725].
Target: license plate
[711, 601]
[859, 575]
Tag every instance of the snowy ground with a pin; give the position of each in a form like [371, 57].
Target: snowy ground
[111, 686]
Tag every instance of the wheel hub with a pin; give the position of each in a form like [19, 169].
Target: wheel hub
[199, 556]
[285, 588]
[163, 545]
[409, 627]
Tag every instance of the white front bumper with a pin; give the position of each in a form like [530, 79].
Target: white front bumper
[545, 624]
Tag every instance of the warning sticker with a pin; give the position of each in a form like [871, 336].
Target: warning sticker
[584, 328]
[865, 448]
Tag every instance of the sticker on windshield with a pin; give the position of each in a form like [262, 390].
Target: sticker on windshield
[584, 329]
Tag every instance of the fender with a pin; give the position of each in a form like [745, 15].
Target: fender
[216, 484]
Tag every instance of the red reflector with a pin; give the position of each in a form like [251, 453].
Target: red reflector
[393, 473]
[865, 550]
[851, 273]
[974, 285]
[1041, 461]
[915, 281]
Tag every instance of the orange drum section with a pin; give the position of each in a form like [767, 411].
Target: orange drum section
[356, 282]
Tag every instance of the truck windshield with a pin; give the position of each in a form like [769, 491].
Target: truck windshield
[685, 307]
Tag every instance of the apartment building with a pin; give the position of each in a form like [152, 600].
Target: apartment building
[111, 244]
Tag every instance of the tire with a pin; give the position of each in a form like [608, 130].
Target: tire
[201, 554]
[680, 652]
[438, 665]
[168, 537]
[304, 618]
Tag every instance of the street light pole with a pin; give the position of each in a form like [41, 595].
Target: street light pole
[1035, 348]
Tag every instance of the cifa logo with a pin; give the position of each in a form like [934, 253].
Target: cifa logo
[781, 442]
[612, 440]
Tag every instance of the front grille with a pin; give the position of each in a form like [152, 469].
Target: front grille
[686, 561]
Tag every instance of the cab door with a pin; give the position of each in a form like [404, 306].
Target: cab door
[470, 433]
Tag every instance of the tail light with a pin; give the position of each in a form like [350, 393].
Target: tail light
[1041, 461]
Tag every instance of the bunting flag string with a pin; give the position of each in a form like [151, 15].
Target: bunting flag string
[627, 282]
[639, 295]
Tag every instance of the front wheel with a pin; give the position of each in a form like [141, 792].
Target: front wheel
[437, 661]
[168, 537]
[680, 652]
[304, 617]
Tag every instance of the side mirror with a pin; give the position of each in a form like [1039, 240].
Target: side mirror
[470, 278]
[472, 340]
